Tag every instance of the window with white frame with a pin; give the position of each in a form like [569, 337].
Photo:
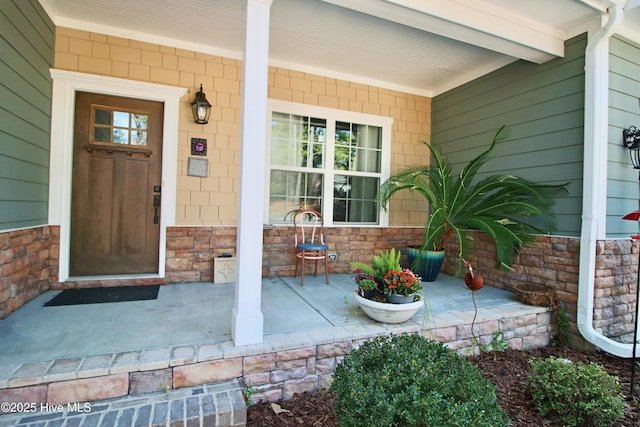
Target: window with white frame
[329, 160]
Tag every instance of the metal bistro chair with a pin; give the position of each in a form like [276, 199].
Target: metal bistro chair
[308, 226]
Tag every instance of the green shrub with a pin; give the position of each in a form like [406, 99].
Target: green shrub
[408, 380]
[581, 394]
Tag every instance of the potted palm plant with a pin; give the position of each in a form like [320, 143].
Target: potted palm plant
[500, 205]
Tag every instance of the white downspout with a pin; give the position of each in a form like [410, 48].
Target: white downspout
[595, 178]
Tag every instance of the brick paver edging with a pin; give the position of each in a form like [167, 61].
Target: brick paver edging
[220, 404]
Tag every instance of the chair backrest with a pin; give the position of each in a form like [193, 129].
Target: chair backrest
[308, 227]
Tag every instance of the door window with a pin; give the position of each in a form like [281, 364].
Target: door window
[116, 127]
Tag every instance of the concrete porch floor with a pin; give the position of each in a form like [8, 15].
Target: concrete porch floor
[197, 313]
[115, 354]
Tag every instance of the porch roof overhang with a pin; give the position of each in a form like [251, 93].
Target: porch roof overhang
[423, 47]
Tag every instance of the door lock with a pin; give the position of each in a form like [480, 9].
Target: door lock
[156, 205]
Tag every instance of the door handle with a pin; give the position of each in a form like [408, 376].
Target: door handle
[156, 205]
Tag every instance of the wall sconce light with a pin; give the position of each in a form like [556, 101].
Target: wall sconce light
[631, 140]
[201, 108]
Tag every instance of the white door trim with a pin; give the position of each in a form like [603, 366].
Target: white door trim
[65, 86]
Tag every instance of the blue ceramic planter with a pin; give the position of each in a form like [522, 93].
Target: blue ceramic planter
[400, 299]
[429, 263]
[369, 294]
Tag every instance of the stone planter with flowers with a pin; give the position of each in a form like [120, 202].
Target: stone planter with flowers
[387, 292]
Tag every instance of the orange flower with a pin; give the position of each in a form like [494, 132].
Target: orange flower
[403, 282]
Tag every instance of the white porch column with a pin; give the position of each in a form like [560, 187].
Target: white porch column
[247, 321]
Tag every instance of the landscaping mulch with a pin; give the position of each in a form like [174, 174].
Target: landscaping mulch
[507, 370]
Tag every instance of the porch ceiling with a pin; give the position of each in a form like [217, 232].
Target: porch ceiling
[419, 46]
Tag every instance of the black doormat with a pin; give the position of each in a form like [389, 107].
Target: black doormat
[102, 295]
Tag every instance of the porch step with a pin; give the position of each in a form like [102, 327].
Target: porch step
[215, 404]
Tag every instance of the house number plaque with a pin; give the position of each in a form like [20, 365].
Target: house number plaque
[198, 167]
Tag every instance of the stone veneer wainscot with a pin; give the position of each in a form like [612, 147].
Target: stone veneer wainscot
[554, 261]
[28, 265]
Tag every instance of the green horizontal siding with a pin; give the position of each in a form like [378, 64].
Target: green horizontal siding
[13, 169]
[30, 191]
[624, 111]
[543, 107]
[27, 38]
[20, 148]
[18, 212]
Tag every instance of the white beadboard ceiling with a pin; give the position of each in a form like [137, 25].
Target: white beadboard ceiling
[419, 46]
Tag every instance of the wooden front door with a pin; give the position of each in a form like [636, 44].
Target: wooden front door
[115, 199]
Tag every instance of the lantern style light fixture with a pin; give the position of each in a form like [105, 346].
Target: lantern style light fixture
[631, 140]
[201, 108]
